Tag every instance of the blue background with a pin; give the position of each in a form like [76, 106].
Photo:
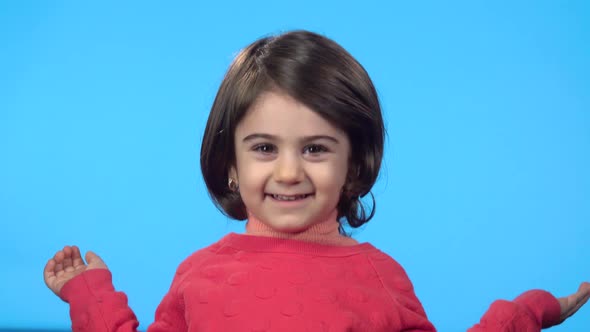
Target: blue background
[485, 189]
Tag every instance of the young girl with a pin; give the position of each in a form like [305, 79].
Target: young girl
[293, 141]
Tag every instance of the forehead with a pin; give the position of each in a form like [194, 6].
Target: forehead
[279, 114]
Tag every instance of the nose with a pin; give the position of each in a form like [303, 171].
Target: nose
[288, 168]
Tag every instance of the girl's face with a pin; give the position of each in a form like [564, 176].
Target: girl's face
[291, 164]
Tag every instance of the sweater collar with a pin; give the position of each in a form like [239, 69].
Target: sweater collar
[325, 232]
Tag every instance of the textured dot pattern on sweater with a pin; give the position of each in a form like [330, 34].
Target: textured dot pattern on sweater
[242, 286]
[252, 283]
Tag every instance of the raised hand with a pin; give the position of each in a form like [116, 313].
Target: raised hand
[66, 264]
[571, 304]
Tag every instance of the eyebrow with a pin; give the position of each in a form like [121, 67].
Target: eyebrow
[274, 138]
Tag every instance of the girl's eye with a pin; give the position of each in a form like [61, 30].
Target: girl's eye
[315, 149]
[264, 148]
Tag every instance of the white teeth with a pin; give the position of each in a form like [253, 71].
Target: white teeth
[288, 198]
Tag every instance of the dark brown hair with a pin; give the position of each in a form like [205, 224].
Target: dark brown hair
[322, 75]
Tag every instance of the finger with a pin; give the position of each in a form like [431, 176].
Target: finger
[94, 261]
[584, 288]
[59, 258]
[571, 304]
[67, 262]
[49, 272]
[582, 296]
[77, 258]
[49, 269]
[91, 257]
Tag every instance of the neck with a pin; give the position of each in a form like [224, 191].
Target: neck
[323, 232]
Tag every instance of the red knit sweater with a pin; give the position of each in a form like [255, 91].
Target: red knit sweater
[257, 283]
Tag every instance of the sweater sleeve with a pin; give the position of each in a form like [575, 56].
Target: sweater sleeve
[529, 312]
[401, 290]
[96, 306]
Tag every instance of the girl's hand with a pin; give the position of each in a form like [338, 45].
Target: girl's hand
[571, 304]
[66, 264]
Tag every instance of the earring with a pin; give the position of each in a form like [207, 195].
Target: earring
[232, 184]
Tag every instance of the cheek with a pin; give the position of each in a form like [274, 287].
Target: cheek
[251, 188]
[331, 178]
[252, 176]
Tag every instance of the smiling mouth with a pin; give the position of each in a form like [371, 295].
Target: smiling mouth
[288, 198]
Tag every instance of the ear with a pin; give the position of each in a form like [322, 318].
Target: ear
[232, 173]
